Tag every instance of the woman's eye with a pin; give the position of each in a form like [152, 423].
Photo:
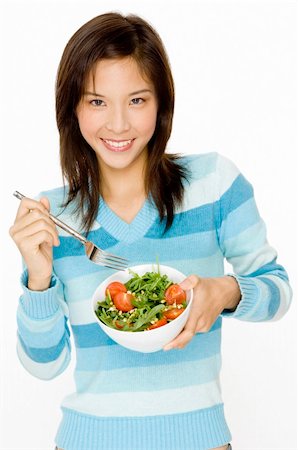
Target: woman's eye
[97, 102]
[137, 101]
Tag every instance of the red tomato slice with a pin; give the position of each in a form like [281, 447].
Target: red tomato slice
[122, 301]
[114, 288]
[175, 294]
[171, 314]
[159, 323]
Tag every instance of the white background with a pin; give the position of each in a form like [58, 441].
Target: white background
[235, 68]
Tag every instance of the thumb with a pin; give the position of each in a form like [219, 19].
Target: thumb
[190, 282]
[45, 202]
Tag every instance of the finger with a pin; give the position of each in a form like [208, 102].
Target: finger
[203, 326]
[190, 282]
[189, 330]
[34, 241]
[35, 217]
[28, 219]
[45, 202]
[186, 334]
[181, 340]
[34, 228]
[27, 204]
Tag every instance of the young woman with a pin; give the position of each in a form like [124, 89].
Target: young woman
[115, 102]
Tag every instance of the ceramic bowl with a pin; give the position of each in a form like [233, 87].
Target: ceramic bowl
[149, 340]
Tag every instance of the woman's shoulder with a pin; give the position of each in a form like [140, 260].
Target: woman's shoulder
[201, 165]
[211, 175]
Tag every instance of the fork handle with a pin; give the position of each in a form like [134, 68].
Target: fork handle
[58, 222]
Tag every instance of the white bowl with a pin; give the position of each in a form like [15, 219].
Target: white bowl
[150, 340]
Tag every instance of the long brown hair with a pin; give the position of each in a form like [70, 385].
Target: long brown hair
[109, 36]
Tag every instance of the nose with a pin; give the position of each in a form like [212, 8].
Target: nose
[118, 120]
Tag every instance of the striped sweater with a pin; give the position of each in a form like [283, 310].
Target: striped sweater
[151, 401]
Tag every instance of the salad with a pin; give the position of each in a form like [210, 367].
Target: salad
[144, 302]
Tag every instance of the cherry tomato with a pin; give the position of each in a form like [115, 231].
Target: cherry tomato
[159, 323]
[114, 288]
[175, 294]
[122, 301]
[171, 314]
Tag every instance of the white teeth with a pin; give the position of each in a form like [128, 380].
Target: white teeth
[118, 144]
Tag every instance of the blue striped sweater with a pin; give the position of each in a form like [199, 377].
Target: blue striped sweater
[165, 400]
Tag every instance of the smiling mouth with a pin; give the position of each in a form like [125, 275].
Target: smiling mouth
[118, 145]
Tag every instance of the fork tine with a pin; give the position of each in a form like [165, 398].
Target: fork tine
[108, 263]
[114, 267]
[113, 261]
[114, 257]
[99, 256]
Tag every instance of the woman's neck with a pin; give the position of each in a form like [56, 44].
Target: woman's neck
[124, 190]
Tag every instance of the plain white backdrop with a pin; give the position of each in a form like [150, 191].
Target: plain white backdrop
[235, 70]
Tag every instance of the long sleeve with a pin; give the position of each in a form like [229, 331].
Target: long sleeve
[264, 285]
[43, 336]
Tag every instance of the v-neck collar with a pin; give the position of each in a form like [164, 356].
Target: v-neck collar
[123, 231]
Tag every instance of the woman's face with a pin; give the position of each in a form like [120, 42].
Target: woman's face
[117, 113]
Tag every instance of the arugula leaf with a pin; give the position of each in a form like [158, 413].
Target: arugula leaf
[149, 291]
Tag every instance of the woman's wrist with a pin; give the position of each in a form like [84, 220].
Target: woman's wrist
[232, 292]
[39, 284]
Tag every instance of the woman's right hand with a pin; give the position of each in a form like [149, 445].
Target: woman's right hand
[35, 234]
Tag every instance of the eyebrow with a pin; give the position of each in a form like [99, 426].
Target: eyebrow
[141, 91]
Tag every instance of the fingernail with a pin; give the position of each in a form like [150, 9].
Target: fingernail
[168, 347]
[186, 284]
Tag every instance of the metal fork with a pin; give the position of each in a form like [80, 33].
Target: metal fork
[94, 253]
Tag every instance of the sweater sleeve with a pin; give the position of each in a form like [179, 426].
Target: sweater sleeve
[264, 285]
[43, 344]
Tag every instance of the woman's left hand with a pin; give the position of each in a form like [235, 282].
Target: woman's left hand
[211, 297]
